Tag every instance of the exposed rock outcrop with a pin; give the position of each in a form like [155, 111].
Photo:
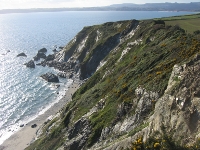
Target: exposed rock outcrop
[43, 50]
[30, 64]
[22, 54]
[62, 74]
[50, 57]
[50, 77]
[142, 82]
[39, 55]
[78, 135]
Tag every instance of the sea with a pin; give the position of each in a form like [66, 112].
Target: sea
[23, 94]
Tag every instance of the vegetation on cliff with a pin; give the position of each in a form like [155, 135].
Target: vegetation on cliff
[129, 65]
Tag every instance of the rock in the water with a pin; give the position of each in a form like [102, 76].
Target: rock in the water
[30, 64]
[39, 55]
[50, 77]
[34, 126]
[38, 64]
[50, 57]
[70, 76]
[22, 54]
[58, 85]
[21, 125]
[43, 50]
[55, 51]
[62, 75]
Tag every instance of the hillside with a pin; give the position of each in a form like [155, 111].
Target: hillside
[167, 6]
[190, 23]
[141, 89]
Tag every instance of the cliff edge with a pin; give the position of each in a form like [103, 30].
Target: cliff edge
[142, 89]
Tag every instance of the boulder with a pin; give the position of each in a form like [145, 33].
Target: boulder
[50, 77]
[55, 51]
[61, 47]
[34, 126]
[58, 85]
[22, 54]
[71, 75]
[43, 50]
[62, 75]
[50, 57]
[21, 125]
[30, 64]
[39, 55]
[38, 64]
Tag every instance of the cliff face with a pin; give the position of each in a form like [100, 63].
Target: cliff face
[143, 82]
[85, 52]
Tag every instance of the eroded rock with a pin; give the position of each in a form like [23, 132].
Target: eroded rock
[22, 54]
[30, 64]
[78, 134]
[50, 77]
[39, 55]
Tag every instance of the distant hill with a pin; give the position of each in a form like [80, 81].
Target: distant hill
[193, 6]
[125, 5]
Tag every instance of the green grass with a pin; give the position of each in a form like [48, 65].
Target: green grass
[193, 16]
[189, 23]
[148, 65]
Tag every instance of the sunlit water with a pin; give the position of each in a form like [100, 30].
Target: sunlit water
[23, 94]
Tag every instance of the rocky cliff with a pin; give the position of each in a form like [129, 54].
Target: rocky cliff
[142, 90]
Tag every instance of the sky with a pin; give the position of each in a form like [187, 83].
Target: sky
[12, 4]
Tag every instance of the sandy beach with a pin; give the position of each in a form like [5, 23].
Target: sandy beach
[21, 139]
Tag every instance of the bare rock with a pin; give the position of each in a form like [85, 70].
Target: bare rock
[34, 126]
[21, 125]
[43, 50]
[30, 64]
[50, 77]
[39, 55]
[50, 57]
[22, 54]
[78, 134]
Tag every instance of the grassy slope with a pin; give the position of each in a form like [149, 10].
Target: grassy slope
[148, 64]
[189, 23]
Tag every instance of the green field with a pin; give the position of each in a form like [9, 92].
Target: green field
[189, 23]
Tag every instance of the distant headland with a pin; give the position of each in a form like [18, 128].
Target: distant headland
[192, 6]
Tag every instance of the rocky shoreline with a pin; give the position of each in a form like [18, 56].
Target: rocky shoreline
[66, 68]
[29, 132]
[138, 88]
[50, 77]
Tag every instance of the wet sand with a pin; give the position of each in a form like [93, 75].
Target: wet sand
[21, 139]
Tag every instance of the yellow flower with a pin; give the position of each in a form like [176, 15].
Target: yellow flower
[156, 145]
[139, 140]
[158, 72]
